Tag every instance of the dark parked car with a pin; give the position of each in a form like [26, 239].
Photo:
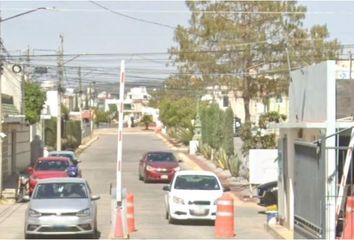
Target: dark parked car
[268, 194]
[158, 166]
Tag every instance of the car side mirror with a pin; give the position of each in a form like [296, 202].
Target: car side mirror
[166, 188]
[95, 197]
[226, 189]
[76, 161]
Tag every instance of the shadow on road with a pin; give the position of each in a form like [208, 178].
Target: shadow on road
[98, 235]
[195, 222]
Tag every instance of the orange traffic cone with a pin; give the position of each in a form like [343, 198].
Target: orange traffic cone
[224, 222]
[348, 228]
[130, 213]
[118, 230]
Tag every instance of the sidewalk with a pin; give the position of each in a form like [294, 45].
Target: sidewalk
[237, 190]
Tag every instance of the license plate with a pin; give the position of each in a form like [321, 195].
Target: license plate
[164, 177]
[199, 211]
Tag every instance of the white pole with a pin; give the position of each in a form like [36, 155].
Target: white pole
[120, 134]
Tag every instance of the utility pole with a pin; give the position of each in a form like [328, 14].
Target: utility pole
[350, 68]
[1, 72]
[80, 89]
[60, 82]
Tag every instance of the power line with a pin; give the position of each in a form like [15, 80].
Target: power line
[133, 18]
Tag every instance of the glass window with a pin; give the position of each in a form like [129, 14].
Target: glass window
[197, 182]
[60, 190]
[52, 165]
[161, 157]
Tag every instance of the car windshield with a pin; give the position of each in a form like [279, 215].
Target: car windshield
[196, 182]
[60, 190]
[51, 165]
[161, 157]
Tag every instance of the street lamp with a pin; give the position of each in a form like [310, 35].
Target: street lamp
[1, 73]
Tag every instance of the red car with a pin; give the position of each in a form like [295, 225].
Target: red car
[158, 166]
[47, 167]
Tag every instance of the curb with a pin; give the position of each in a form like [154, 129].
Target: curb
[279, 231]
[81, 148]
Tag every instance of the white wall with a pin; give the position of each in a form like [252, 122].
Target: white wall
[11, 85]
[308, 93]
[52, 102]
[263, 165]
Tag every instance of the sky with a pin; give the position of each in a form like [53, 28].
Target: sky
[90, 29]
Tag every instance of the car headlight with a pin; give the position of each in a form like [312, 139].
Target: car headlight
[149, 168]
[178, 200]
[177, 169]
[33, 213]
[83, 213]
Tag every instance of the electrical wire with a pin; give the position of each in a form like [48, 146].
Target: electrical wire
[133, 18]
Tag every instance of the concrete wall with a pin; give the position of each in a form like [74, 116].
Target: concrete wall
[308, 94]
[52, 102]
[20, 134]
[11, 85]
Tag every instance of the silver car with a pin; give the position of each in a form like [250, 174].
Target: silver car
[61, 206]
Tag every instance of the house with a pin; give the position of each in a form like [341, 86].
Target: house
[313, 149]
[16, 148]
[226, 98]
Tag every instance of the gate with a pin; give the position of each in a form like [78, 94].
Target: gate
[309, 189]
[311, 212]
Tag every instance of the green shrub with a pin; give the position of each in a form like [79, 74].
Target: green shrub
[147, 120]
[184, 135]
[205, 150]
[221, 159]
[234, 164]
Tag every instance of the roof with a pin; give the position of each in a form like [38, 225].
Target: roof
[195, 172]
[61, 152]
[62, 179]
[52, 158]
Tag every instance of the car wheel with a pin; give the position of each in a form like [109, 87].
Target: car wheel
[145, 179]
[94, 234]
[140, 177]
[166, 214]
[170, 219]
[28, 236]
[19, 194]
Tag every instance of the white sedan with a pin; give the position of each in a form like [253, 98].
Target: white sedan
[192, 195]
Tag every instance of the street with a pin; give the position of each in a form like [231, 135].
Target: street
[98, 167]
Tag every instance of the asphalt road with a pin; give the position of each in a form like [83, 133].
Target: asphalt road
[98, 167]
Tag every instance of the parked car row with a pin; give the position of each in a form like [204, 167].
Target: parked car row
[191, 195]
[60, 201]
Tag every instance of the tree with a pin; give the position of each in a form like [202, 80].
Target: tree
[245, 45]
[147, 119]
[228, 134]
[34, 101]
[177, 113]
